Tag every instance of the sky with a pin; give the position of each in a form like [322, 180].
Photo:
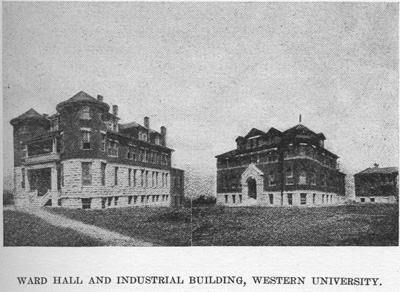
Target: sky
[210, 72]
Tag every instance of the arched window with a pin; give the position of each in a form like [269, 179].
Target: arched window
[289, 176]
[303, 177]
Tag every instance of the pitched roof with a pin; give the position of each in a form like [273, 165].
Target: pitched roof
[301, 129]
[254, 132]
[82, 97]
[29, 115]
[382, 170]
[129, 125]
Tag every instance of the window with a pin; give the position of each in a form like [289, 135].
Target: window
[323, 179]
[112, 148]
[103, 173]
[303, 177]
[109, 201]
[86, 173]
[134, 177]
[62, 143]
[313, 198]
[323, 199]
[103, 203]
[24, 150]
[130, 200]
[116, 201]
[85, 113]
[272, 181]
[131, 153]
[234, 199]
[23, 178]
[362, 200]
[289, 176]
[142, 199]
[86, 203]
[166, 180]
[116, 176]
[271, 199]
[157, 141]
[313, 178]
[281, 199]
[103, 142]
[129, 177]
[156, 179]
[54, 124]
[372, 200]
[86, 140]
[147, 179]
[302, 150]
[62, 174]
[303, 199]
[142, 178]
[135, 199]
[290, 199]
[240, 198]
[226, 198]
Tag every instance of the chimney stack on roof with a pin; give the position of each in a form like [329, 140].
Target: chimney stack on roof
[100, 97]
[163, 131]
[147, 122]
[376, 164]
[115, 110]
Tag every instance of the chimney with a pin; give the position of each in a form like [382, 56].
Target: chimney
[147, 122]
[163, 131]
[376, 164]
[100, 97]
[115, 110]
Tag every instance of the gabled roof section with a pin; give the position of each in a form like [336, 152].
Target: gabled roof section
[83, 97]
[29, 115]
[274, 131]
[254, 132]
[382, 170]
[300, 130]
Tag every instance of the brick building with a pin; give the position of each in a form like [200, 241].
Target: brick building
[274, 168]
[377, 185]
[83, 157]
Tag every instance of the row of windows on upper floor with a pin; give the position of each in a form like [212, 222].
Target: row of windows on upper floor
[107, 145]
[302, 178]
[271, 157]
[258, 142]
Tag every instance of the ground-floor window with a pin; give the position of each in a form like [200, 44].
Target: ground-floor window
[303, 199]
[142, 199]
[234, 199]
[59, 202]
[103, 203]
[130, 200]
[323, 199]
[109, 201]
[86, 203]
[240, 198]
[157, 197]
[116, 201]
[271, 199]
[362, 200]
[226, 198]
[134, 199]
[372, 200]
[281, 199]
[290, 199]
[313, 198]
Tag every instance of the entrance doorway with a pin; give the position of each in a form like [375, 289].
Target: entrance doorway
[40, 180]
[252, 186]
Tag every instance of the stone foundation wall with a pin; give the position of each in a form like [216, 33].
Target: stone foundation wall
[377, 199]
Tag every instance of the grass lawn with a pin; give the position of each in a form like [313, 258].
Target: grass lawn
[366, 225]
[161, 226]
[22, 229]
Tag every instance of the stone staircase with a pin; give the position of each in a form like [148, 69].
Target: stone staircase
[36, 202]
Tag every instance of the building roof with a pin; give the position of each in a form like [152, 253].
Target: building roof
[301, 129]
[29, 115]
[382, 170]
[82, 97]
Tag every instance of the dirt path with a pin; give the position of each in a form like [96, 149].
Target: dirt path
[108, 237]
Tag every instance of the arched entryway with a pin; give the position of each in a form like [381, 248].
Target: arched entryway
[252, 187]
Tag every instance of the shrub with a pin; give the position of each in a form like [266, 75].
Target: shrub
[204, 201]
[8, 198]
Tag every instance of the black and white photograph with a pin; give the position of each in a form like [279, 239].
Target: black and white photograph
[200, 124]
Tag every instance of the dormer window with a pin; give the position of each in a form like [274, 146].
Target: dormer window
[321, 143]
[54, 124]
[85, 113]
[157, 141]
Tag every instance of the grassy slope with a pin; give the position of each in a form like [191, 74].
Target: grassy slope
[375, 225]
[161, 226]
[21, 229]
